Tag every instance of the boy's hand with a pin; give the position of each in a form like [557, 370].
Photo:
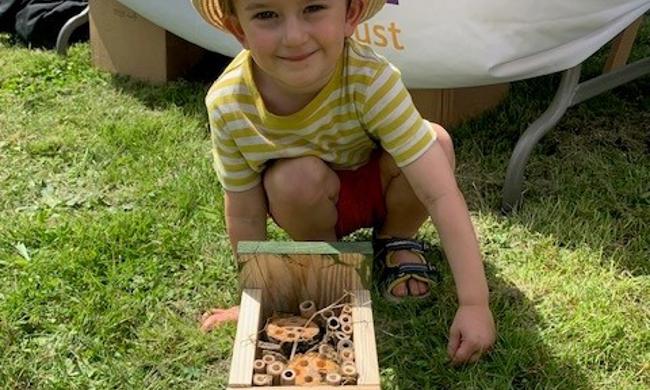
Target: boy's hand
[471, 333]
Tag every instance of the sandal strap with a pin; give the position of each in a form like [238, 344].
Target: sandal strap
[426, 270]
[392, 276]
[383, 246]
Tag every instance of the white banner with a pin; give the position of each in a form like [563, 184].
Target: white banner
[447, 44]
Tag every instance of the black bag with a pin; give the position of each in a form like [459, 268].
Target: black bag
[38, 22]
[8, 11]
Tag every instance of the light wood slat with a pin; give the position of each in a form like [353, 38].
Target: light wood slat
[365, 349]
[304, 247]
[248, 325]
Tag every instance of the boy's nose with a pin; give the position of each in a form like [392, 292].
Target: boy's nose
[295, 33]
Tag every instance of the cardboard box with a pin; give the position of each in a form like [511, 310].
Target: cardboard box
[277, 276]
[450, 107]
[125, 43]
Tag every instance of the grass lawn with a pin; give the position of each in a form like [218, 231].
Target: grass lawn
[112, 239]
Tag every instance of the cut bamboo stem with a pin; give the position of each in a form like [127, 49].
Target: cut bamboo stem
[333, 379]
[342, 344]
[288, 377]
[262, 380]
[347, 329]
[333, 324]
[277, 355]
[346, 355]
[325, 349]
[275, 369]
[268, 359]
[341, 335]
[327, 314]
[349, 371]
[259, 366]
[307, 309]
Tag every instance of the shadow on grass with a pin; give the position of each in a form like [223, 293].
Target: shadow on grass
[412, 343]
[186, 94]
[585, 182]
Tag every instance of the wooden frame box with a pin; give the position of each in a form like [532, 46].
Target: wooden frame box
[277, 276]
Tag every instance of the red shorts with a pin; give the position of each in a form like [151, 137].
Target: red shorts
[361, 199]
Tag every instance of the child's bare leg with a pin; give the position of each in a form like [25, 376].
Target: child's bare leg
[302, 194]
[405, 213]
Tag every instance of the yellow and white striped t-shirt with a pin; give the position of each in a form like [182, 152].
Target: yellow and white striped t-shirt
[365, 102]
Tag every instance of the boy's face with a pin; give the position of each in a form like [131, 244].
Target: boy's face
[295, 43]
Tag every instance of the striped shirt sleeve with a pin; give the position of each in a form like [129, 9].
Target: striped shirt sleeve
[233, 171]
[390, 116]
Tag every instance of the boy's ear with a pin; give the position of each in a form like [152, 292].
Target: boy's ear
[231, 23]
[353, 16]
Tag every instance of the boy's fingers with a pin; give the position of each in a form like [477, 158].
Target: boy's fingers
[464, 353]
[209, 313]
[454, 341]
[217, 317]
[475, 357]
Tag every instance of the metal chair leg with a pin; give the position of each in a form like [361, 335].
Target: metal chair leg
[515, 173]
[62, 40]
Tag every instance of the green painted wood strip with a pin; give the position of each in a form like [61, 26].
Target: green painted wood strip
[304, 247]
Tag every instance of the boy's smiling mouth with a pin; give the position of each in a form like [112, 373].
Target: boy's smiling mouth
[297, 57]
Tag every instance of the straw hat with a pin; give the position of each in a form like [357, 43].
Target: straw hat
[211, 11]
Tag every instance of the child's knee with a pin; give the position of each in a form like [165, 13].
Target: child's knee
[302, 180]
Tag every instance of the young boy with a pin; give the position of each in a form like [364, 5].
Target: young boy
[319, 132]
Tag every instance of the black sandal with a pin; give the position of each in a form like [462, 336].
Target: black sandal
[390, 275]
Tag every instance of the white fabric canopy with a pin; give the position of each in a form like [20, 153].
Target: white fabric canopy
[448, 44]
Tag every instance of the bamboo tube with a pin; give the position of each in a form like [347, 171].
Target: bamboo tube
[342, 344]
[333, 356]
[346, 355]
[268, 359]
[333, 379]
[307, 309]
[274, 370]
[325, 349]
[345, 319]
[288, 377]
[347, 329]
[259, 367]
[277, 355]
[261, 380]
[349, 370]
[346, 309]
[327, 314]
[341, 335]
[333, 324]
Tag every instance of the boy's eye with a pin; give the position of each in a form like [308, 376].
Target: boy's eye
[314, 8]
[264, 15]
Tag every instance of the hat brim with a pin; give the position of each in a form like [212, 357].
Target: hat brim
[211, 12]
